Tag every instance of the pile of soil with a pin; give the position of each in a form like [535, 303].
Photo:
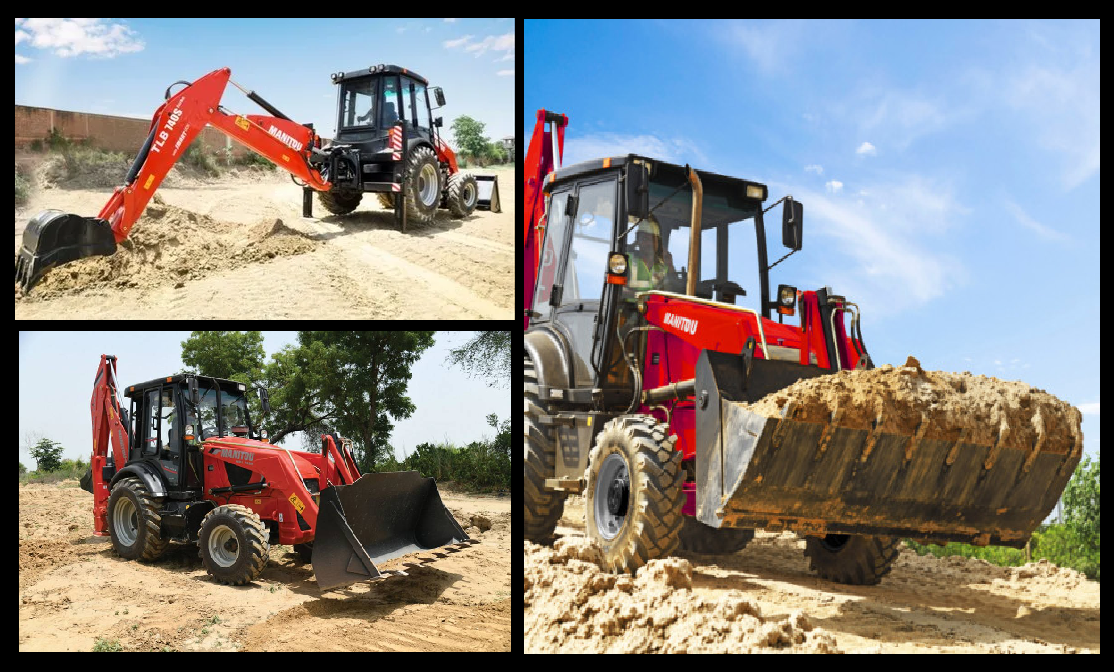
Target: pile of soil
[169, 245]
[572, 606]
[934, 405]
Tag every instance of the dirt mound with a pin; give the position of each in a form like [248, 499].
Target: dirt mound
[933, 405]
[571, 606]
[170, 245]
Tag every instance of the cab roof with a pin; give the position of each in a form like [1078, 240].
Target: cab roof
[139, 388]
[660, 170]
[379, 69]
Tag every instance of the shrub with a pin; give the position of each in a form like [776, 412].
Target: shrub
[56, 140]
[252, 159]
[36, 145]
[196, 156]
[47, 454]
[22, 186]
[107, 645]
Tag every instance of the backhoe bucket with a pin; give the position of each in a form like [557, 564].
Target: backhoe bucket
[488, 196]
[377, 518]
[53, 237]
[817, 478]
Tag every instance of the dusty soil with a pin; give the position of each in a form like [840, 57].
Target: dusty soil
[74, 589]
[766, 599]
[237, 247]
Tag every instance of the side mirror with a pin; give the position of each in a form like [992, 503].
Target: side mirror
[438, 122]
[571, 203]
[792, 223]
[265, 400]
[195, 397]
[439, 95]
[638, 191]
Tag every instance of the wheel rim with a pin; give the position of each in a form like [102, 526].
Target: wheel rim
[469, 195]
[223, 547]
[612, 496]
[125, 520]
[427, 184]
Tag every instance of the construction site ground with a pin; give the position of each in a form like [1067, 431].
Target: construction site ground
[236, 246]
[765, 599]
[74, 590]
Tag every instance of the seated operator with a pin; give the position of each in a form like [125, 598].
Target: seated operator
[650, 263]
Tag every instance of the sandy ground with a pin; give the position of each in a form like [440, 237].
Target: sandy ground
[74, 589]
[765, 598]
[360, 266]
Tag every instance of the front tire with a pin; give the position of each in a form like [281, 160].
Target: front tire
[340, 201]
[134, 522]
[234, 544]
[462, 194]
[541, 508]
[700, 538]
[854, 560]
[422, 184]
[633, 505]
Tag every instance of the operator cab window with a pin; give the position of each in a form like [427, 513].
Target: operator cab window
[358, 103]
[390, 102]
[169, 431]
[151, 421]
[591, 241]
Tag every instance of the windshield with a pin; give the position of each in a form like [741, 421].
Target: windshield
[358, 102]
[658, 245]
[233, 413]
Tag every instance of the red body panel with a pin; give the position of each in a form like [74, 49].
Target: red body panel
[446, 154]
[105, 410]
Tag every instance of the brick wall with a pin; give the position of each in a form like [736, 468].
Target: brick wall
[119, 134]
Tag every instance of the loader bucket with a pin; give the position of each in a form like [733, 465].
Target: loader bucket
[488, 199]
[377, 518]
[817, 478]
[53, 237]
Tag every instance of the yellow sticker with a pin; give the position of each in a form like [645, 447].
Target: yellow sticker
[286, 158]
[243, 123]
[150, 179]
[297, 503]
[259, 501]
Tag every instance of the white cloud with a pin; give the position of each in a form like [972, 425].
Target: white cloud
[494, 43]
[772, 46]
[866, 148]
[834, 187]
[814, 168]
[1089, 409]
[453, 44]
[21, 36]
[505, 73]
[898, 118]
[1033, 225]
[997, 362]
[74, 37]
[451, 20]
[20, 60]
[675, 150]
[400, 30]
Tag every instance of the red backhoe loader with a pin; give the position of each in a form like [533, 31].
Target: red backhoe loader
[641, 368]
[188, 464]
[387, 143]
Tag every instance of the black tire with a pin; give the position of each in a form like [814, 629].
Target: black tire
[134, 523]
[304, 551]
[239, 549]
[462, 194]
[340, 202]
[422, 177]
[641, 514]
[855, 560]
[700, 538]
[541, 508]
[386, 200]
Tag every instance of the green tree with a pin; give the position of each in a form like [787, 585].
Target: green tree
[22, 469]
[469, 137]
[487, 354]
[47, 454]
[223, 354]
[1081, 500]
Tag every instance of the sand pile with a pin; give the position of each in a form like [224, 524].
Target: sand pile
[169, 245]
[572, 606]
[934, 405]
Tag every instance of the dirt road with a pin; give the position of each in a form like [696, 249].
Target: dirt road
[765, 598]
[73, 589]
[219, 254]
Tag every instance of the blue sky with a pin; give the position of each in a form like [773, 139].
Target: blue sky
[949, 170]
[56, 371]
[123, 66]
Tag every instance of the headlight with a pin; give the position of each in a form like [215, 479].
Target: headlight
[240, 387]
[263, 434]
[618, 264]
[755, 191]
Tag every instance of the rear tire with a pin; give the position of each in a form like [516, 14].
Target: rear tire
[541, 508]
[234, 544]
[854, 560]
[700, 538]
[462, 194]
[422, 184]
[304, 551]
[340, 202]
[134, 523]
[633, 505]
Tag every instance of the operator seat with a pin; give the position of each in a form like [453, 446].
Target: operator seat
[390, 115]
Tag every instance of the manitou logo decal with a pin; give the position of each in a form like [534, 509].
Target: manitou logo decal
[682, 323]
[285, 139]
[241, 455]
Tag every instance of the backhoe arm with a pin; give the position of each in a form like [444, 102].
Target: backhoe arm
[55, 237]
[108, 424]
